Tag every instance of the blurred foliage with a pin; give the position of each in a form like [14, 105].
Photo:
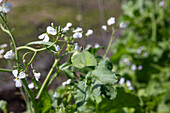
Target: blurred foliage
[142, 54]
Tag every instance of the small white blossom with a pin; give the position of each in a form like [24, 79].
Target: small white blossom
[133, 67]
[145, 54]
[89, 32]
[78, 29]
[122, 80]
[9, 55]
[139, 51]
[104, 27]
[162, 3]
[65, 29]
[140, 67]
[111, 21]
[122, 25]
[0, 1]
[88, 46]
[57, 47]
[128, 83]
[5, 7]
[2, 51]
[31, 86]
[51, 30]
[76, 47]
[55, 95]
[21, 75]
[17, 83]
[66, 82]
[69, 24]
[96, 45]
[3, 45]
[45, 37]
[15, 72]
[36, 75]
[77, 35]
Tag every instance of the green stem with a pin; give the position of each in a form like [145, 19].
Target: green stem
[32, 59]
[12, 38]
[5, 70]
[47, 79]
[111, 40]
[35, 106]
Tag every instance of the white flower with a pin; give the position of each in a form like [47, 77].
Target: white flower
[2, 51]
[88, 46]
[5, 7]
[3, 45]
[31, 85]
[77, 35]
[78, 29]
[0, 1]
[45, 37]
[76, 47]
[162, 3]
[89, 32]
[121, 81]
[9, 55]
[122, 25]
[36, 75]
[96, 45]
[51, 30]
[15, 72]
[111, 21]
[21, 75]
[139, 51]
[140, 67]
[69, 24]
[55, 95]
[145, 54]
[133, 67]
[57, 47]
[65, 29]
[66, 82]
[104, 27]
[17, 82]
[128, 83]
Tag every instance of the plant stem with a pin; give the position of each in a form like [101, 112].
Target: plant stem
[12, 38]
[35, 106]
[111, 40]
[47, 79]
[5, 70]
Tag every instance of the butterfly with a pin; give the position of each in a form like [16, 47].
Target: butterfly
[82, 59]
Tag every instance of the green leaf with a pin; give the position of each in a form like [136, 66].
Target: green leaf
[80, 60]
[103, 73]
[81, 94]
[45, 102]
[3, 105]
[122, 100]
